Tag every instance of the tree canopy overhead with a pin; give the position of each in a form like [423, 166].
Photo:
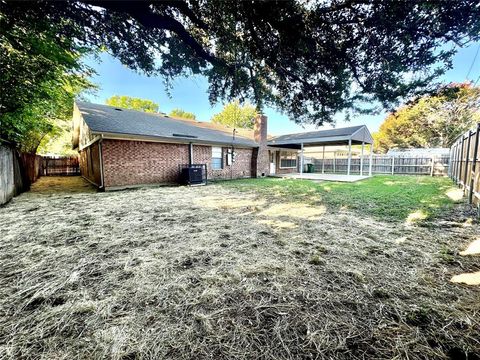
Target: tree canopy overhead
[41, 72]
[128, 102]
[436, 120]
[309, 59]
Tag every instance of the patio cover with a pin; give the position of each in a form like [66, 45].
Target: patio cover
[342, 136]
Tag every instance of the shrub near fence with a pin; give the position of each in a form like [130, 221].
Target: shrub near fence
[384, 164]
[465, 160]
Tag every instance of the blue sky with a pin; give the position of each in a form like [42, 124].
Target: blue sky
[190, 94]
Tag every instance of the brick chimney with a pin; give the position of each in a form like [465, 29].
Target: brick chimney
[260, 129]
[261, 162]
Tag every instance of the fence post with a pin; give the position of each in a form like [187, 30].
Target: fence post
[474, 165]
[361, 159]
[467, 158]
[393, 164]
[450, 159]
[455, 168]
[334, 162]
[432, 165]
[460, 159]
[349, 155]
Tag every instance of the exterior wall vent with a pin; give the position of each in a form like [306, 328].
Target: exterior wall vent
[185, 136]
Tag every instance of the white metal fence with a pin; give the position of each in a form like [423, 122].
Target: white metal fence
[384, 164]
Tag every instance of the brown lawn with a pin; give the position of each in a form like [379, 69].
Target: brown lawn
[217, 273]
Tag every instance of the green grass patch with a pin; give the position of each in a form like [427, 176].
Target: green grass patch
[390, 198]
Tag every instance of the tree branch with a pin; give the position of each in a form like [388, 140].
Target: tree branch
[183, 8]
[142, 13]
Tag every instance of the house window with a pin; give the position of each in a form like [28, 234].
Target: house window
[217, 160]
[288, 160]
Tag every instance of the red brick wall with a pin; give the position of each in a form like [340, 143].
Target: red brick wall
[242, 167]
[139, 162]
[285, 171]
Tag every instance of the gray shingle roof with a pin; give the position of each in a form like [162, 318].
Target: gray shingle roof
[332, 136]
[104, 119]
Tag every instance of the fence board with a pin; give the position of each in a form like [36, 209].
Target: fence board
[465, 157]
[60, 166]
[7, 183]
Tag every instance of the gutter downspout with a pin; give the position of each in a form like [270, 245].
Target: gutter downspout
[100, 152]
[231, 154]
[190, 154]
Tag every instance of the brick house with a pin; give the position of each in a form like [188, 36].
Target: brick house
[123, 148]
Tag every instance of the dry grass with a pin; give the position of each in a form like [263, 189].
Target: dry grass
[211, 273]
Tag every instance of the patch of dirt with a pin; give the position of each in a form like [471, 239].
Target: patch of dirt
[211, 273]
[53, 185]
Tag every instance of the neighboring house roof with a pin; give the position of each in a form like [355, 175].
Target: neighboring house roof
[330, 151]
[419, 152]
[109, 120]
[325, 137]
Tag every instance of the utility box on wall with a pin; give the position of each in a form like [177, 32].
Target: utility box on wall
[230, 157]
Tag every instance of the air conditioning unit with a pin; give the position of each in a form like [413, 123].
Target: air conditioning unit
[194, 175]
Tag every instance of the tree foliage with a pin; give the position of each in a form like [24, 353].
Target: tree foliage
[59, 140]
[308, 59]
[41, 73]
[431, 121]
[182, 114]
[133, 103]
[236, 115]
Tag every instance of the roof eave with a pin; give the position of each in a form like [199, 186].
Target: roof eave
[334, 140]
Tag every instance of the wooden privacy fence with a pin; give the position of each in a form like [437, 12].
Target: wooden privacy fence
[60, 166]
[19, 170]
[465, 169]
[385, 164]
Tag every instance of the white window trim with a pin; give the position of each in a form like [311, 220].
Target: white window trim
[221, 158]
[287, 167]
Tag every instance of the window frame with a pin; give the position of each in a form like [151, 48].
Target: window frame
[289, 155]
[215, 152]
